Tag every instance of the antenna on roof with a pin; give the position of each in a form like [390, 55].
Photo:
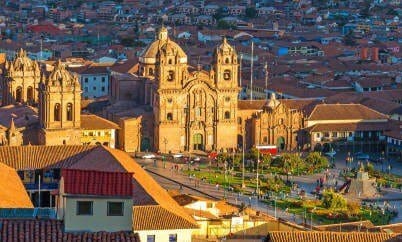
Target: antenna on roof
[240, 65]
[266, 80]
[251, 72]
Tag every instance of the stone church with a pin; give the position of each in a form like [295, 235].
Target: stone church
[192, 109]
[44, 107]
[196, 109]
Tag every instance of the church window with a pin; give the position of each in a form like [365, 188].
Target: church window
[18, 94]
[69, 112]
[170, 76]
[239, 121]
[265, 140]
[151, 71]
[227, 60]
[227, 115]
[198, 112]
[281, 121]
[30, 94]
[57, 113]
[226, 75]
[170, 100]
[170, 61]
[227, 99]
[169, 116]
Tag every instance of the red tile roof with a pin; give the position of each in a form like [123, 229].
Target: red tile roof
[344, 112]
[299, 236]
[100, 183]
[52, 231]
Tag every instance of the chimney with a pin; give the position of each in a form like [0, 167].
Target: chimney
[363, 53]
[374, 52]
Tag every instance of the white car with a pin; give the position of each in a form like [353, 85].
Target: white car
[178, 155]
[148, 156]
[197, 158]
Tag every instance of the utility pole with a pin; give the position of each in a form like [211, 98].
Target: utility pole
[251, 72]
[266, 80]
[243, 185]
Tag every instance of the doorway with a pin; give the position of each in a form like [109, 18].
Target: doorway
[198, 142]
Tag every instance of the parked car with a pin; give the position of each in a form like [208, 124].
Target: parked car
[362, 156]
[178, 155]
[148, 156]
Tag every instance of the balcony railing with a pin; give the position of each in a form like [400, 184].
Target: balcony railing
[43, 186]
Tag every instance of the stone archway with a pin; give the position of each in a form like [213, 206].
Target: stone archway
[280, 143]
[198, 141]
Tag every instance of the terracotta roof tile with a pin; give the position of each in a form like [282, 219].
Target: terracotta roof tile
[12, 191]
[27, 230]
[99, 183]
[38, 157]
[158, 218]
[94, 122]
[363, 126]
[344, 112]
[299, 236]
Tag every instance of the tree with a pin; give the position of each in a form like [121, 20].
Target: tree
[316, 160]
[333, 200]
[291, 162]
[220, 13]
[222, 24]
[251, 12]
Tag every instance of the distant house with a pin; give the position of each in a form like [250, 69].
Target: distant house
[95, 80]
[95, 201]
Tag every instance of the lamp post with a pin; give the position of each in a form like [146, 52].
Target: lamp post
[243, 185]
[311, 218]
[165, 141]
[258, 162]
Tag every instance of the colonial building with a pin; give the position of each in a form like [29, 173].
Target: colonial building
[177, 107]
[191, 108]
[21, 80]
[41, 107]
[59, 108]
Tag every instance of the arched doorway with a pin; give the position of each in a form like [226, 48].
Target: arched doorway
[30, 95]
[145, 144]
[280, 143]
[198, 143]
[240, 141]
[18, 94]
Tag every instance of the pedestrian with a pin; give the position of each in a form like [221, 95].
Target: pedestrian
[217, 186]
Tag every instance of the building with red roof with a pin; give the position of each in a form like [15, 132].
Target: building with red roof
[95, 200]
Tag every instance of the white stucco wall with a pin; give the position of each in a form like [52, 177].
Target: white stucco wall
[98, 221]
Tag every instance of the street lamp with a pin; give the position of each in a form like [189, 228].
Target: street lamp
[311, 218]
[165, 141]
[243, 185]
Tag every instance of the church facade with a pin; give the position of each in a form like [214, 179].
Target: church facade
[42, 107]
[192, 110]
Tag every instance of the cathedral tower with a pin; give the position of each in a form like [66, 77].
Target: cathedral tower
[225, 72]
[22, 77]
[60, 108]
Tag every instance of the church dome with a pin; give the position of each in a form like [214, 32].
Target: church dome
[22, 62]
[162, 44]
[61, 77]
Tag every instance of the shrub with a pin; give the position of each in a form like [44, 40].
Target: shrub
[333, 201]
